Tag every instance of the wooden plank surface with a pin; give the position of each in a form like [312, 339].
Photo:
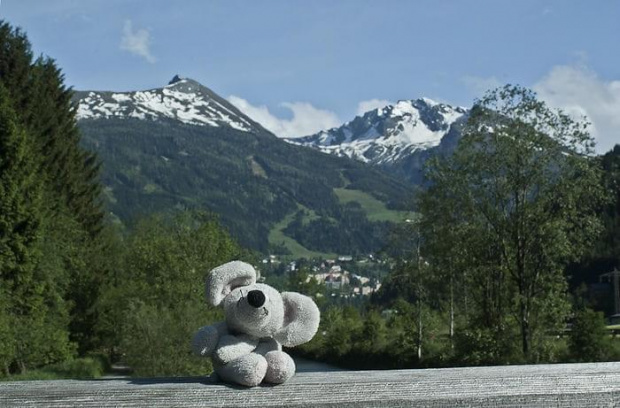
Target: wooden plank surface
[570, 385]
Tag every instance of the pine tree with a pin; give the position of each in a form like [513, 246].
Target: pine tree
[72, 172]
[15, 67]
[7, 336]
[45, 109]
[67, 218]
[74, 228]
[20, 229]
[20, 201]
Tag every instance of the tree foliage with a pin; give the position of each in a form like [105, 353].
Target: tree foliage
[509, 210]
[589, 340]
[151, 308]
[50, 215]
[608, 247]
[21, 218]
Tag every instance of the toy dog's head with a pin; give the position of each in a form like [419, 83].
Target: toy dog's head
[258, 309]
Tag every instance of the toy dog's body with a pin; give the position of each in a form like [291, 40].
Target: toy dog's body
[247, 348]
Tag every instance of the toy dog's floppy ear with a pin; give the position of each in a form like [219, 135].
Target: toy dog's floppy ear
[223, 279]
[301, 320]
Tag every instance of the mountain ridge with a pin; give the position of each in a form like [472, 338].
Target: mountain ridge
[267, 192]
[397, 138]
[183, 99]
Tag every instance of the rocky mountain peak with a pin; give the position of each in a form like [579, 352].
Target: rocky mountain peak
[175, 79]
[386, 135]
[184, 100]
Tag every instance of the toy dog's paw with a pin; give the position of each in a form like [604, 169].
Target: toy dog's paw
[232, 347]
[205, 341]
[280, 367]
[248, 370]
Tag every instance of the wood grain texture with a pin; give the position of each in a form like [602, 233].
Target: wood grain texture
[565, 385]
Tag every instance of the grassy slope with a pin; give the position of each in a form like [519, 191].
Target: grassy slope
[277, 236]
[375, 209]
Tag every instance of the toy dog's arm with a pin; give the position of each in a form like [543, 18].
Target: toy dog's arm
[206, 339]
[231, 347]
[267, 345]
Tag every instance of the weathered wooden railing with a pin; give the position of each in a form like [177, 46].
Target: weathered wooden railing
[571, 385]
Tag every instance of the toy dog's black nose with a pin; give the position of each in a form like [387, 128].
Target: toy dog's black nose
[256, 298]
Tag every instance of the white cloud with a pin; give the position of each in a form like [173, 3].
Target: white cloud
[306, 118]
[479, 85]
[580, 92]
[137, 42]
[367, 106]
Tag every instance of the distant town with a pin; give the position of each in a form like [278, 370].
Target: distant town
[336, 274]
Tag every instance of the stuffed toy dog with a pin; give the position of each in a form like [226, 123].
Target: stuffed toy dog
[246, 348]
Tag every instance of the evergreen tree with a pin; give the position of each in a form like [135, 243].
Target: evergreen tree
[20, 205]
[20, 231]
[45, 110]
[16, 68]
[51, 218]
[7, 336]
[76, 243]
[71, 171]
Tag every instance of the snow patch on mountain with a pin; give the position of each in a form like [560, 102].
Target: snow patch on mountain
[386, 135]
[183, 100]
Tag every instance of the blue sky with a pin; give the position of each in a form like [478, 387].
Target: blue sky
[299, 66]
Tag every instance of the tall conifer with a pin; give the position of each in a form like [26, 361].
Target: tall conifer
[20, 228]
[57, 182]
[72, 171]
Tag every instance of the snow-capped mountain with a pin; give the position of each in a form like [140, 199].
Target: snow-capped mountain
[184, 147]
[387, 135]
[398, 138]
[183, 100]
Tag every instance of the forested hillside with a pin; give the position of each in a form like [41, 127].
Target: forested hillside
[261, 187]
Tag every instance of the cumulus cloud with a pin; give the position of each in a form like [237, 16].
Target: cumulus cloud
[137, 42]
[580, 92]
[367, 106]
[306, 118]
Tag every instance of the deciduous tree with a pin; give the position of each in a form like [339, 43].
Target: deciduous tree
[525, 187]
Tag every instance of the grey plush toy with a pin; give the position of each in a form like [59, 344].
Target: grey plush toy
[246, 348]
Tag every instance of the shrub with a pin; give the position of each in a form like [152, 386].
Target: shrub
[589, 340]
[156, 341]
